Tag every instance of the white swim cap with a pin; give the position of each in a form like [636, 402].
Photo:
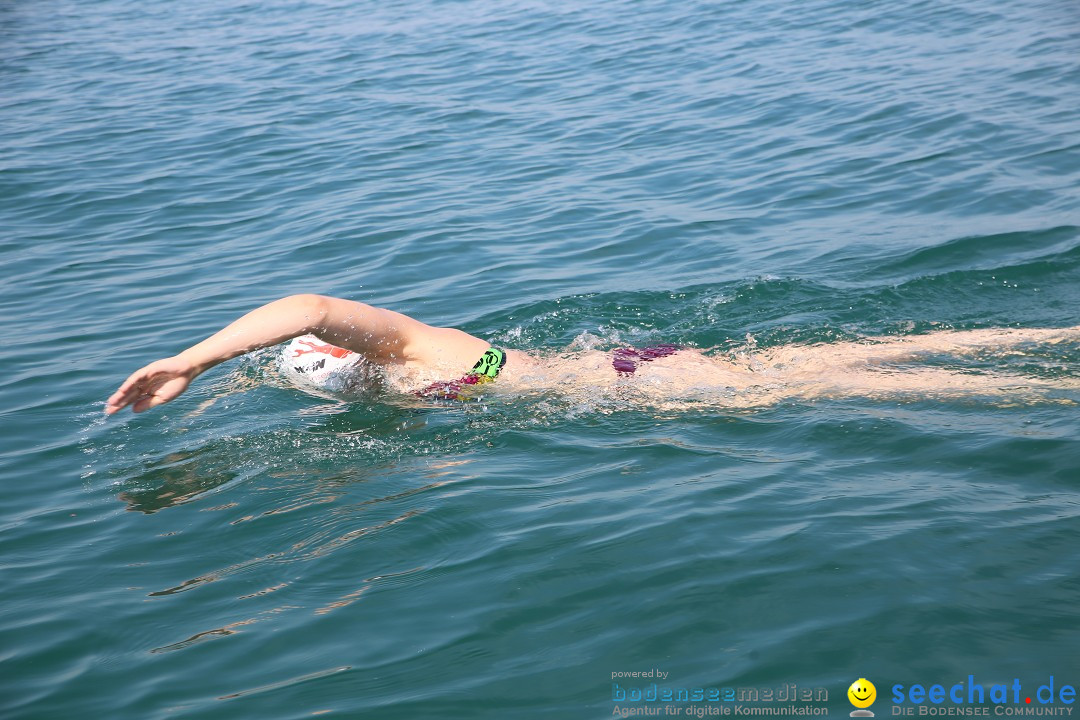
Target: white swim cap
[309, 360]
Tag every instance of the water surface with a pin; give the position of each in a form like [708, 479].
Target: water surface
[545, 175]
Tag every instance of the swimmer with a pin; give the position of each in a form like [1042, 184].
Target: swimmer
[436, 362]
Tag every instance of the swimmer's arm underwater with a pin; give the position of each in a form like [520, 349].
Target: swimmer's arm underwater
[382, 336]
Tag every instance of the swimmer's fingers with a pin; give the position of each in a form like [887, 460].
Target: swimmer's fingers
[125, 395]
[167, 391]
[147, 389]
[157, 383]
[130, 390]
[138, 385]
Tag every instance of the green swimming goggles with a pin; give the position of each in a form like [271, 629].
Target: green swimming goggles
[488, 366]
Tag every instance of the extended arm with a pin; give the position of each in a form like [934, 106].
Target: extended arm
[376, 333]
[383, 336]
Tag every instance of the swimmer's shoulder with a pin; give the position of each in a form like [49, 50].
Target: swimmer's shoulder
[446, 349]
[518, 364]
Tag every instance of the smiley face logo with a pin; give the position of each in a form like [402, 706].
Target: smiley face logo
[862, 693]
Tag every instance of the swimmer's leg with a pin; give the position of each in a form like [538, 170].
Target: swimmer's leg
[956, 342]
[930, 383]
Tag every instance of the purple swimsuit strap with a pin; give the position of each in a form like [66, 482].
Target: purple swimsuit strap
[448, 389]
[626, 360]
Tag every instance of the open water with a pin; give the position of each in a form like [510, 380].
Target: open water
[541, 174]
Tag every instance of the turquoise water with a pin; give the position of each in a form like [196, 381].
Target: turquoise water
[535, 173]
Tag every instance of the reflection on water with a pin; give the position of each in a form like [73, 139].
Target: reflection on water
[178, 478]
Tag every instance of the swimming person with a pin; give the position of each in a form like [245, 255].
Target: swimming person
[435, 362]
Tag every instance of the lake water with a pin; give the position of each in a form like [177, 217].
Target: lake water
[544, 175]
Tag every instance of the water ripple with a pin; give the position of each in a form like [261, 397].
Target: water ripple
[548, 176]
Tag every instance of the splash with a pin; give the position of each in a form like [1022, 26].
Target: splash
[936, 365]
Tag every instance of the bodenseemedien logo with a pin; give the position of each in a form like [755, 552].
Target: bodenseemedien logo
[862, 694]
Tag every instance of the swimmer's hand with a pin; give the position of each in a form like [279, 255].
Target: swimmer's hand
[156, 384]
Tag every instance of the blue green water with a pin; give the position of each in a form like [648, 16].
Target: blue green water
[534, 173]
